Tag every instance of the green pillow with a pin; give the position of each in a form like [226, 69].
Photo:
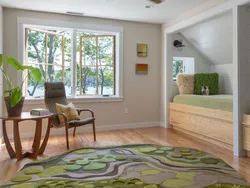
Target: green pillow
[206, 79]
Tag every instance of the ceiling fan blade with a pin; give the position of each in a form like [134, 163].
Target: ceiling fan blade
[157, 1]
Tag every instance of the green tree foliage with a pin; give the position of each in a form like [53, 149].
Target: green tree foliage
[177, 68]
[37, 57]
[104, 54]
[53, 72]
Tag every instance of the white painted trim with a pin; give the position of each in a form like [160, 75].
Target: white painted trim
[88, 128]
[236, 98]
[70, 25]
[74, 26]
[78, 100]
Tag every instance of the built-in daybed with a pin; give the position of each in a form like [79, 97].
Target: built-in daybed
[207, 117]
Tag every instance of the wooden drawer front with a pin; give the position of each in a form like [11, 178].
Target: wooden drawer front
[206, 126]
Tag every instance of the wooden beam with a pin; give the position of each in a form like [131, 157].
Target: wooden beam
[80, 71]
[63, 58]
[45, 31]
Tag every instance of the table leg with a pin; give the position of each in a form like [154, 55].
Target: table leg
[17, 141]
[8, 146]
[45, 141]
[37, 138]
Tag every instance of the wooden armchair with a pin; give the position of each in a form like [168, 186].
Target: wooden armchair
[55, 93]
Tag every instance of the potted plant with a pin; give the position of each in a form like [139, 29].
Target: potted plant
[13, 94]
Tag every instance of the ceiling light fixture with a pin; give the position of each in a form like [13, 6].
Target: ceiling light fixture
[75, 13]
[149, 6]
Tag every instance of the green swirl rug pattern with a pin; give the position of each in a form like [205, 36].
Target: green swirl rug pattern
[131, 166]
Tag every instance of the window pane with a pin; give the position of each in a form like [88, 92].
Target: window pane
[89, 85]
[177, 68]
[35, 89]
[36, 47]
[67, 80]
[67, 49]
[55, 73]
[52, 58]
[89, 51]
[54, 49]
[106, 80]
[105, 50]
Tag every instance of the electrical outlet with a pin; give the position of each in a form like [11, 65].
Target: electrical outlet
[126, 110]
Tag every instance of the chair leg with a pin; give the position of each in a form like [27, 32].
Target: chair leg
[67, 136]
[74, 133]
[94, 130]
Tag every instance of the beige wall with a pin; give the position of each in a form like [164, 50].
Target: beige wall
[1, 51]
[141, 93]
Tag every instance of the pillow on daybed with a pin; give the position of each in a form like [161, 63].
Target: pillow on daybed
[185, 83]
[206, 79]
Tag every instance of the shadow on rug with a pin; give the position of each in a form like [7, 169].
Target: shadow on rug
[132, 166]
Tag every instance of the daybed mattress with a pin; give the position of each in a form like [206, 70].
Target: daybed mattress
[217, 102]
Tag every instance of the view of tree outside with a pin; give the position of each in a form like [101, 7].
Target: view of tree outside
[93, 72]
[97, 74]
[177, 68]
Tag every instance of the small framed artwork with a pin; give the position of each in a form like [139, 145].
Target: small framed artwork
[142, 50]
[141, 69]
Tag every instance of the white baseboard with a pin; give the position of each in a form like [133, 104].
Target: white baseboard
[88, 128]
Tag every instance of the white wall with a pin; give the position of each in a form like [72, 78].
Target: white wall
[213, 38]
[141, 93]
[1, 77]
[226, 77]
[202, 64]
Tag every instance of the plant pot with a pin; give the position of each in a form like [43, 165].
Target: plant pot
[16, 110]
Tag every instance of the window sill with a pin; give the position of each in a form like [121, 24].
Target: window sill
[78, 100]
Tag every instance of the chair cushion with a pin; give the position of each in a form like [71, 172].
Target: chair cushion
[69, 110]
[82, 121]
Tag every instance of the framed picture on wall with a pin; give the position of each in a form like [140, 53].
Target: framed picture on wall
[142, 50]
[141, 69]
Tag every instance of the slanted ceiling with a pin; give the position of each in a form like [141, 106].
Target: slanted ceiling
[213, 38]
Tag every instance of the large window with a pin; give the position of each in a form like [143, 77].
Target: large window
[96, 65]
[91, 73]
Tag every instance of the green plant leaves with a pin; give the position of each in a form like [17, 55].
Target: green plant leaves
[16, 96]
[15, 93]
[35, 71]
[1, 60]
[14, 63]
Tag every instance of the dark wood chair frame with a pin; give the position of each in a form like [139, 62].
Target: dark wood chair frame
[66, 124]
[79, 110]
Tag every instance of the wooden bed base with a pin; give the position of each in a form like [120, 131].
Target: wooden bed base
[246, 133]
[214, 126]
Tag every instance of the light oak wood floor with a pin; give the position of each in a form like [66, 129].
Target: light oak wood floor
[159, 136]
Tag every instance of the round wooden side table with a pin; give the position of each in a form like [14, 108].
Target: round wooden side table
[36, 149]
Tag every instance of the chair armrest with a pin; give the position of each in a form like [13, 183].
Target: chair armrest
[64, 117]
[79, 110]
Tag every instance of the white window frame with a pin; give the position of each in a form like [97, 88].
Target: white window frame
[74, 27]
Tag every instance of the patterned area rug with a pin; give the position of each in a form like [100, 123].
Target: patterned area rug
[132, 166]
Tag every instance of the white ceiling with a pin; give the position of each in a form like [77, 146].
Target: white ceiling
[133, 10]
